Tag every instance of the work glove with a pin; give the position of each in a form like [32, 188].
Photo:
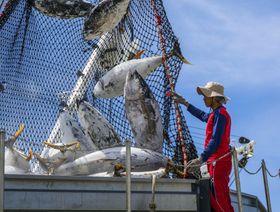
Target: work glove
[193, 166]
[177, 98]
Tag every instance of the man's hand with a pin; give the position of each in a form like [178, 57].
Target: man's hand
[179, 99]
[193, 166]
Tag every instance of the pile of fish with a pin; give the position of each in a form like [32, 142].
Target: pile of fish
[99, 19]
[89, 145]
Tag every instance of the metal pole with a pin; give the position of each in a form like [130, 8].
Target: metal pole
[237, 180]
[128, 176]
[2, 168]
[267, 196]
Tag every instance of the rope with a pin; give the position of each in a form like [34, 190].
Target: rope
[201, 129]
[207, 163]
[278, 174]
[2, 2]
[172, 87]
[252, 173]
[152, 205]
[233, 180]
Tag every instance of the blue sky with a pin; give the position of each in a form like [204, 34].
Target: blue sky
[236, 43]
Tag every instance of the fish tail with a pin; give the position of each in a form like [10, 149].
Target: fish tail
[176, 51]
[21, 154]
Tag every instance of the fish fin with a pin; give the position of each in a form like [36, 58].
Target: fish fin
[58, 162]
[30, 155]
[39, 158]
[138, 54]
[19, 131]
[10, 142]
[76, 146]
[64, 147]
[76, 143]
[54, 146]
[48, 144]
[178, 53]
[118, 169]
[21, 154]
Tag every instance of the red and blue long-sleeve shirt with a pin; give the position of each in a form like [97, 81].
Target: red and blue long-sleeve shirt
[217, 132]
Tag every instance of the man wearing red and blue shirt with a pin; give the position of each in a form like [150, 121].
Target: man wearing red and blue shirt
[216, 145]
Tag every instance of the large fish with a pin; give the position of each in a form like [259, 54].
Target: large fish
[96, 126]
[106, 160]
[64, 9]
[143, 113]
[71, 134]
[104, 17]
[112, 83]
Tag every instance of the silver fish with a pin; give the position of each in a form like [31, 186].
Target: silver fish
[112, 83]
[104, 17]
[96, 126]
[143, 113]
[64, 9]
[107, 159]
[71, 132]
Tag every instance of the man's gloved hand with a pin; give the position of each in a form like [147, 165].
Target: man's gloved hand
[179, 99]
[193, 166]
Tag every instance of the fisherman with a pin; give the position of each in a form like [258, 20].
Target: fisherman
[216, 143]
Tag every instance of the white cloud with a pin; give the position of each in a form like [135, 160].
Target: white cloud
[230, 43]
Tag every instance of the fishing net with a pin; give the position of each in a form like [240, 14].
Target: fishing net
[44, 60]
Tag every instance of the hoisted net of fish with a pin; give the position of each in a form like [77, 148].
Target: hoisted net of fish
[42, 59]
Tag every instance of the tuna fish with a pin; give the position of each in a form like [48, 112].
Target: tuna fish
[64, 9]
[143, 113]
[72, 134]
[104, 17]
[112, 83]
[96, 126]
[107, 159]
